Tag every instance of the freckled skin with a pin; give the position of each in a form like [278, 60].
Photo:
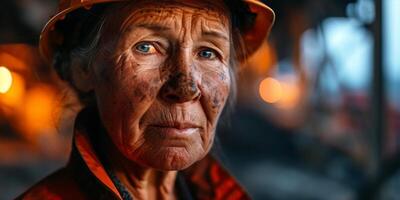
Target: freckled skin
[135, 90]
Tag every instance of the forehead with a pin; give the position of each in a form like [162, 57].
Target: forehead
[213, 7]
[169, 12]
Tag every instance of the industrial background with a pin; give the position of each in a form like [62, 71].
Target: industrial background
[317, 114]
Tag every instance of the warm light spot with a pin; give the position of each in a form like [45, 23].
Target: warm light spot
[5, 80]
[39, 110]
[270, 90]
[290, 97]
[15, 95]
[262, 60]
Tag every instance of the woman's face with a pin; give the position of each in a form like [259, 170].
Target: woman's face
[161, 79]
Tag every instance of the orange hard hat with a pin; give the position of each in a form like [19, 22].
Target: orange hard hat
[253, 37]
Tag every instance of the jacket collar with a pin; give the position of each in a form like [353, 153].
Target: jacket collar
[207, 179]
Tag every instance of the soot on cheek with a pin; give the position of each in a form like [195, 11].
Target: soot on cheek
[218, 101]
[146, 89]
[140, 92]
[222, 76]
[154, 88]
[218, 90]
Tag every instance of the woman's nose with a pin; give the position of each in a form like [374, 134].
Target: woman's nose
[180, 88]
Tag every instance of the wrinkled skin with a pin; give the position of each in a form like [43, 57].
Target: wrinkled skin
[161, 79]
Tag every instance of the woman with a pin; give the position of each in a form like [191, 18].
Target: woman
[154, 77]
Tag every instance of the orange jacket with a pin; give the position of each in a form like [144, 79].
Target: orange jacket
[84, 176]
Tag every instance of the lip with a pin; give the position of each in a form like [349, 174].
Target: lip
[175, 129]
[175, 125]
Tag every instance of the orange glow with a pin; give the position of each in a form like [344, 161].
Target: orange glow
[39, 112]
[14, 96]
[270, 90]
[290, 97]
[5, 80]
[262, 60]
[284, 95]
[11, 60]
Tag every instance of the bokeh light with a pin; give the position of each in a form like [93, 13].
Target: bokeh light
[14, 96]
[284, 94]
[270, 90]
[5, 80]
[290, 95]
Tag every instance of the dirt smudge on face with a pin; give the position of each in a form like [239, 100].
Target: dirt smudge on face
[133, 82]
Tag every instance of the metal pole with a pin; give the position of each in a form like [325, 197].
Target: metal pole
[378, 94]
[377, 116]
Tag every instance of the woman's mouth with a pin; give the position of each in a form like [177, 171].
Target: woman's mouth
[175, 129]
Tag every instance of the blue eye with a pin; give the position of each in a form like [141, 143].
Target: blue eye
[145, 47]
[208, 54]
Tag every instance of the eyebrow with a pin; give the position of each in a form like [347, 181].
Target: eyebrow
[153, 27]
[158, 28]
[216, 34]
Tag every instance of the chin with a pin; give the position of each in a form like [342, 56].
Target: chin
[171, 158]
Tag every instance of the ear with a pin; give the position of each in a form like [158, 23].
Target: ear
[82, 76]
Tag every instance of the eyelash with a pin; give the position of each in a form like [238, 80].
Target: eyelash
[151, 44]
[216, 54]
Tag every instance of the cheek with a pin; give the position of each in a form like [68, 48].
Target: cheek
[127, 82]
[215, 86]
[124, 93]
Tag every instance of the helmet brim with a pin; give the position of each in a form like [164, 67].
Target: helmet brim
[253, 37]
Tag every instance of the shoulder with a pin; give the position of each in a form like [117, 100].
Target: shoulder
[58, 186]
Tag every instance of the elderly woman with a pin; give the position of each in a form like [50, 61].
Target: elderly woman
[154, 77]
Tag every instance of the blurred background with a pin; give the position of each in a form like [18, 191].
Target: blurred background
[317, 114]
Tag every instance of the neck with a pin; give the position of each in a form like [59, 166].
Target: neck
[143, 183]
